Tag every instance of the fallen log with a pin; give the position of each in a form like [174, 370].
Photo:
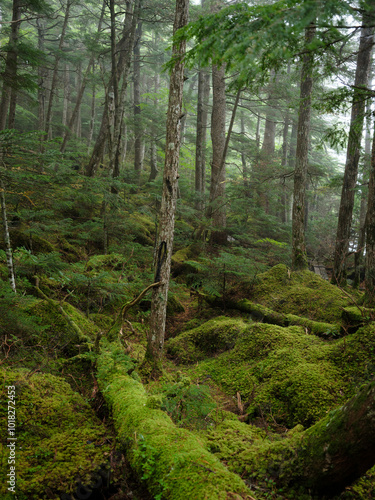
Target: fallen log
[172, 461]
[267, 315]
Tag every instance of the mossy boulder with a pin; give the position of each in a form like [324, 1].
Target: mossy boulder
[60, 329]
[59, 439]
[108, 262]
[282, 374]
[301, 293]
[214, 336]
[174, 306]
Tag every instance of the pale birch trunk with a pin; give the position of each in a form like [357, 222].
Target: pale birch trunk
[8, 248]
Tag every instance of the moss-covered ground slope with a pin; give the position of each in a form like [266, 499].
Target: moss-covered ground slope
[301, 293]
[60, 442]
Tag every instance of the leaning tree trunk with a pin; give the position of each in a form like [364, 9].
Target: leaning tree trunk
[353, 150]
[299, 256]
[124, 48]
[155, 340]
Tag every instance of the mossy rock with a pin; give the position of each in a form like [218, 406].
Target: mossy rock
[280, 373]
[354, 356]
[355, 316]
[174, 306]
[58, 328]
[301, 293]
[209, 339]
[59, 439]
[109, 262]
[142, 228]
[35, 243]
[185, 260]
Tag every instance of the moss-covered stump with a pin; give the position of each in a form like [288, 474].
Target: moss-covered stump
[300, 293]
[59, 440]
[282, 374]
[172, 461]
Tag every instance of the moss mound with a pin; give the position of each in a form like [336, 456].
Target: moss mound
[282, 374]
[58, 437]
[61, 328]
[302, 293]
[213, 337]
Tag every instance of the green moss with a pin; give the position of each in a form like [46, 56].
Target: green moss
[174, 306]
[212, 337]
[301, 293]
[58, 327]
[111, 262]
[282, 374]
[172, 461]
[58, 436]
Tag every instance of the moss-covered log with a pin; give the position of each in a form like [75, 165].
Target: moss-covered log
[267, 315]
[172, 461]
[326, 457]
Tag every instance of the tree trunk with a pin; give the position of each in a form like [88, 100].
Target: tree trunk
[299, 256]
[10, 70]
[370, 234]
[124, 48]
[138, 133]
[201, 137]
[8, 248]
[55, 73]
[155, 341]
[42, 75]
[353, 149]
[216, 209]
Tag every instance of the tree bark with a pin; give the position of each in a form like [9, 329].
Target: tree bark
[216, 208]
[48, 120]
[353, 148]
[124, 48]
[299, 256]
[164, 244]
[201, 137]
[138, 139]
[8, 248]
[10, 70]
[370, 234]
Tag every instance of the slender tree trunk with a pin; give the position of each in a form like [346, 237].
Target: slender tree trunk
[370, 233]
[92, 118]
[8, 248]
[42, 75]
[55, 73]
[124, 49]
[66, 96]
[299, 256]
[216, 209]
[245, 169]
[155, 341]
[353, 150]
[10, 70]
[138, 133]
[201, 137]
